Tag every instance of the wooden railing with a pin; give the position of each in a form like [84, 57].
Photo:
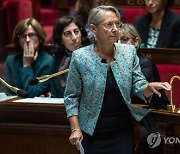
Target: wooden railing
[162, 55]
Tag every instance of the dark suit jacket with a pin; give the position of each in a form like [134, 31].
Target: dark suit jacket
[151, 74]
[169, 36]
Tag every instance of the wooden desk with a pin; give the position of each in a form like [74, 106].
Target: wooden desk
[34, 129]
[44, 129]
[162, 55]
[169, 126]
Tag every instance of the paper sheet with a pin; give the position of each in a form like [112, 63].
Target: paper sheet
[4, 97]
[81, 148]
[41, 100]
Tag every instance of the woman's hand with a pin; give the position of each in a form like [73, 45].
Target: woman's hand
[76, 137]
[154, 87]
[48, 94]
[29, 54]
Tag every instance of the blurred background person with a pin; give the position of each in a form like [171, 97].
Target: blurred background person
[29, 61]
[160, 27]
[82, 10]
[69, 34]
[129, 35]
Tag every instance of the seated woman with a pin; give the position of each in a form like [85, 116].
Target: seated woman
[129, 35]
[29, 61]
[160, 27]
[68, 35]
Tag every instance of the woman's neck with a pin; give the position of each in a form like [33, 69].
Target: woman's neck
[157, 19]
[105, 52]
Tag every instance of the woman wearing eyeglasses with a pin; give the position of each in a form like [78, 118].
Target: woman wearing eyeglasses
[101, 79]
[29, 61]
[82, 10]
[68, 35]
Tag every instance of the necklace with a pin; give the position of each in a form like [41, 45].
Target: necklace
[100, 54]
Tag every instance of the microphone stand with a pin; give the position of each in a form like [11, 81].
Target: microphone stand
[171, 107]
[47, 77]
[12, 88]
[19, 92]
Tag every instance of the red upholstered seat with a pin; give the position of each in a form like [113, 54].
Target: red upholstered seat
[49, 32]
[49, 14]
[16, 10]
[176, 11]
[129, 13]
[166, 72]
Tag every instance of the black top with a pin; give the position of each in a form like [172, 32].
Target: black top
[114, 114]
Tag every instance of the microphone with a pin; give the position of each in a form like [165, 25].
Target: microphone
[44, 78]
[19, 92]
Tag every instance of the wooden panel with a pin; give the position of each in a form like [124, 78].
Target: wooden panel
[162, 55]
[34, 129]
[168, 126]
[44, 129]
[128, 2]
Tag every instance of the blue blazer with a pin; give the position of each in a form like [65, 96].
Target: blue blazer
[86, 83]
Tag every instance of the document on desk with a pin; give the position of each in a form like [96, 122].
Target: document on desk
[4, 97]
[42, 100]
[81, 148]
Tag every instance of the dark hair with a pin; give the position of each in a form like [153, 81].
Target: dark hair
[84, 7]
[58, 48]
[22, 26]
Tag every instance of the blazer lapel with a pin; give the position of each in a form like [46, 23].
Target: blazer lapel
[164, 29]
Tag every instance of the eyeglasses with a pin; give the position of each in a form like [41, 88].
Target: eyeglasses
[125, 39]
[110, 25]
[69, 34]
[30, 35]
